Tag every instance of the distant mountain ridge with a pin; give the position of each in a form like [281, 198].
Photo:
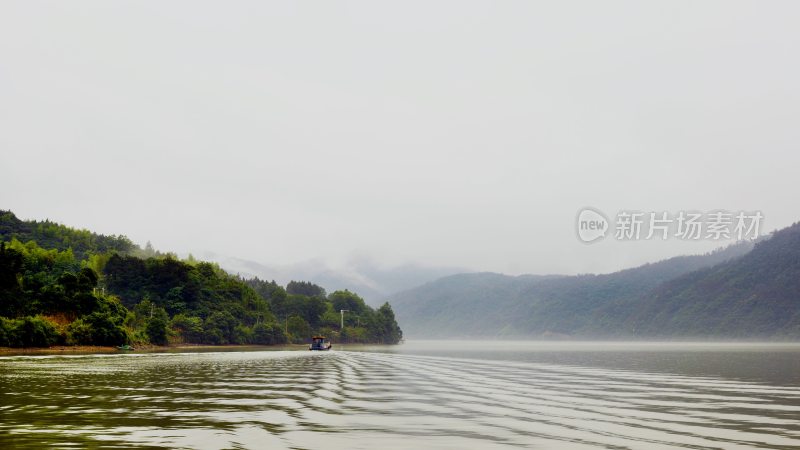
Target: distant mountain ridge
[372, 281]
[610, 305]
[755, 296]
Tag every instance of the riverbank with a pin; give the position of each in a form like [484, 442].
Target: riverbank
[57, 349]
[174, 348]
[79, 349]
[96, 349]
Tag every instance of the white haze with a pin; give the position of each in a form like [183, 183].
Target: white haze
[442, 134]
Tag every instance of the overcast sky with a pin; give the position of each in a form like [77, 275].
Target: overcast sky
[442, 133]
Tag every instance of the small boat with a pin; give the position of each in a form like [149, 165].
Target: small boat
[320, 343]
[125, 347]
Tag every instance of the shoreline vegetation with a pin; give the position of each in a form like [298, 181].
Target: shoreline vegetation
[101, 349]
[62, 287]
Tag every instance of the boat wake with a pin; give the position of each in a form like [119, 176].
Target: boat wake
[380, 400]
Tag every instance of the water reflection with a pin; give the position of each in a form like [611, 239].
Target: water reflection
[395, 399]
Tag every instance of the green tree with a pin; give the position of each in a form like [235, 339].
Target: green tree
[349, 301]
[242, 334]
[157, 330]
[388, 332]
[11, 296]
[79, 332]
[305, 288]
[6, 327]
[106, 329]
[262, 334]
[189, 328]
[219, 328]
[299, 329]
[34, 332]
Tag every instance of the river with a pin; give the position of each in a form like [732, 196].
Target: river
[444, 394]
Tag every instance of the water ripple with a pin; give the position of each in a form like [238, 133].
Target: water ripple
[378, 400]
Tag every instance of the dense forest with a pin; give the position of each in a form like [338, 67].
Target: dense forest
[59, 285]
[744, 290]
[755, 296]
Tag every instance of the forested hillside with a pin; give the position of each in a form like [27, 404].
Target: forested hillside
[83, 288]
[51, 235]
[496, 305]
[463, 305]
[755, 296]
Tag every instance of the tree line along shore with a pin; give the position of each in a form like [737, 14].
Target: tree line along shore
[65, 287]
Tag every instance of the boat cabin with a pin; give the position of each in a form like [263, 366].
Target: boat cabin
[320, 343]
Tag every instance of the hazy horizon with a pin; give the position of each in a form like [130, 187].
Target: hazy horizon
[448, 134]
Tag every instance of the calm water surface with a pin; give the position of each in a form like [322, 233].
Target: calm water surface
[418, 395]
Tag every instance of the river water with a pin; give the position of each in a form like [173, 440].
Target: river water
[453, 395]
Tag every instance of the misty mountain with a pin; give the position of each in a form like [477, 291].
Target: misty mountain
[372, 281]
[488, 304]
[755, 296]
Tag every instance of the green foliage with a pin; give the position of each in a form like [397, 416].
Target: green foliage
[31, 332]
[305, 288]
[97, 328]
[330, 318]
[348, 301]
[268, 334]
[265, 289]
[148, 322]
[188, 328]
[242, 335]
[220, 328]
[299, 329]
[385, 329]
[755, 296]
[199, 289]
[157, 326]
[6, 327]
[55, 236]
[157, 330]
[11, 294]
[262, 334]
[96, 262]
[79, 332]
[39, 281]
[354, 334]
[310, 309]
[111, 292]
